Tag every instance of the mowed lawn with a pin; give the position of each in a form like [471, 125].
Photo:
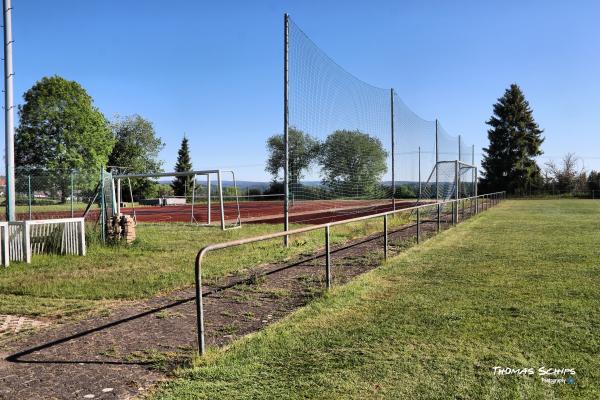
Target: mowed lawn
[518, 286]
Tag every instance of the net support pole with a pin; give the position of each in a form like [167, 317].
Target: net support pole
[420, 172]
[437, 160]
[457, 194]
[459, 155]
[286, 172]
[393, 149]
[473, 171]
[208, 199]
[9, 122]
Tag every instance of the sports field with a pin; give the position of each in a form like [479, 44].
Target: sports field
[517, 287]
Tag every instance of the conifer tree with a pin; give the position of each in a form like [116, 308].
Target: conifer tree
[182, 185]
[515, 139]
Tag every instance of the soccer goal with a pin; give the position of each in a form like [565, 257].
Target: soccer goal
[192, 203]
[449, 180]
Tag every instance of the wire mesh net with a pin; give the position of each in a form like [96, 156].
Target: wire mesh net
[348, 119]
[414, 150]
[341, 153]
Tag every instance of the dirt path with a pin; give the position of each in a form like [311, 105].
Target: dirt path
[126, 353]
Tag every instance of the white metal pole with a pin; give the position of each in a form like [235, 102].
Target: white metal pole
[192, 219]
[220, 181]
[118, 196]
[208, 198]
[9, 123]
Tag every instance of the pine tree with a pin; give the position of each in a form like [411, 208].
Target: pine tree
[515, 139]
[182, 184]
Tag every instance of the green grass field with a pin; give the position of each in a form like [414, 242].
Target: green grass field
[161, 260]
[517, 286]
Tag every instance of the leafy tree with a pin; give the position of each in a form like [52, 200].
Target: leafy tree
[61, 131]
[515, 139]
[136, 151]
[182, 185]
[352, 163]
[303, 149]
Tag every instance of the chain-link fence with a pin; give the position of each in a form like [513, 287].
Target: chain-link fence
[48, 195]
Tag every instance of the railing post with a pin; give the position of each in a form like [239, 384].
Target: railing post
[439, 217]
[418, 225]
[385, 237]
[199, 305]
[327, 258]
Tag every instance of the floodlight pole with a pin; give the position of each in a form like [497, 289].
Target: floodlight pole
[393, 150]
[437, 160]
[286, 172]
[9, 122]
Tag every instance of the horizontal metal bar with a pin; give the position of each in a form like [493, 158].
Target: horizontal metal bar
[163, 174]
[296, 231]
[48, 221]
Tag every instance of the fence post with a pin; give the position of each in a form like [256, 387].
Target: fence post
[29, 195]
[385, 237]
[418, 225]
[26, 242]
[82, 246]
[439, 217]
[73, 192]
[327, 258]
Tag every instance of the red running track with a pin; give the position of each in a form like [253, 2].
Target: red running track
[305, 211]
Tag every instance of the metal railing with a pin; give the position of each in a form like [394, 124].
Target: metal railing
[488, 200]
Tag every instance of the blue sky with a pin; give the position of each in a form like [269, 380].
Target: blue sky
[214, 69]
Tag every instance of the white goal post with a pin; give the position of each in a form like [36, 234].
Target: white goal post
[194, 175]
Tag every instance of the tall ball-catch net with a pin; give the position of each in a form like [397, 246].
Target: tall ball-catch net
[356, 148]
[339, 134]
